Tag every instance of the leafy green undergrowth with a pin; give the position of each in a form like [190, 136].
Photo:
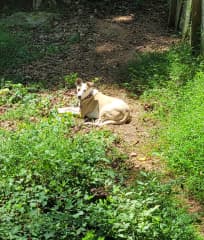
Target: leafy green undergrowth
[173, 84]
[171, 68]
[61, 183]
[185, 136]
[17, 48]
[23, 103]
[145, 210]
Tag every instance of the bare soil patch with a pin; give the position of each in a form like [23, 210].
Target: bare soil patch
[109, 36]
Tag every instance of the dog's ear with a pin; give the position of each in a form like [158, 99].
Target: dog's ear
[78, 81]
[90, 84]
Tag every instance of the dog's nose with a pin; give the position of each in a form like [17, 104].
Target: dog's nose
[79, 97]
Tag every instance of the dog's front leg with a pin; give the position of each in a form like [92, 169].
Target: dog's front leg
[88, 121]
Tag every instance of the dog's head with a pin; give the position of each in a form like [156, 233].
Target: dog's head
[83, 89]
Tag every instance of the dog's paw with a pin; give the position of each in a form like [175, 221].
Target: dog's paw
[88, 123]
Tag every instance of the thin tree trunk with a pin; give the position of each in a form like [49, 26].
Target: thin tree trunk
[196, 24]
[2, 4]
[172, 13]
[187, 18]
[178, 13]
[202, 28]
[37, 4]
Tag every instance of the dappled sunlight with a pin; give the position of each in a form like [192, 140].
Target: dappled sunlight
[93, 43]
[106, 47]
[124, 19]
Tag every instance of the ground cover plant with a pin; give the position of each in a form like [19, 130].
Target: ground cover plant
[60, 182]
[158, 70]
[16, 49]
[173, 85]
[185, 136]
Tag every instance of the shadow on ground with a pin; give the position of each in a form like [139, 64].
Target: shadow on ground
[108, 36]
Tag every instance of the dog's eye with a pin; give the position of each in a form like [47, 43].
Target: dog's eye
[84, 90]
[78, 89]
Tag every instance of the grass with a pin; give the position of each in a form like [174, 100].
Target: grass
[159, 70]
[185, 136]
[172, 82]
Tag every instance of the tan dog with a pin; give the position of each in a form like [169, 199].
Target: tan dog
[96, 105]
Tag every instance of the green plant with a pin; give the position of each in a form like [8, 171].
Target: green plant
[159, 69]
[74, 38]
[57, 184]
[12, 93]
[70, 80]
[185, 135]
[177, 102]
[30, 107]
[53, 175]
[146, 211]
[9, 49]
[90, 235]
[16, 49]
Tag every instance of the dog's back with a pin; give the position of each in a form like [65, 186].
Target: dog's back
[112, 110]
[94, 104]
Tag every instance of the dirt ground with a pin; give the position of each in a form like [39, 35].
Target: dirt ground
[110, 36]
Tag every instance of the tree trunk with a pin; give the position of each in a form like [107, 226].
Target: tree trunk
[187, 18]
[2, 4]
[178, 13]
[202, 28]
[196, 24]
[36, 4]
[45, 3]
[19, 5]
[172, 11]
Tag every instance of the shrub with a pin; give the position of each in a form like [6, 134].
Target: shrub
[70, 80]
[9, 49]
[56, 185]
[12, 93]
[46, 179]
[15, 49]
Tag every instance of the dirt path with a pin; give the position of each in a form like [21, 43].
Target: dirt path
[109, 38]
[136, 136]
